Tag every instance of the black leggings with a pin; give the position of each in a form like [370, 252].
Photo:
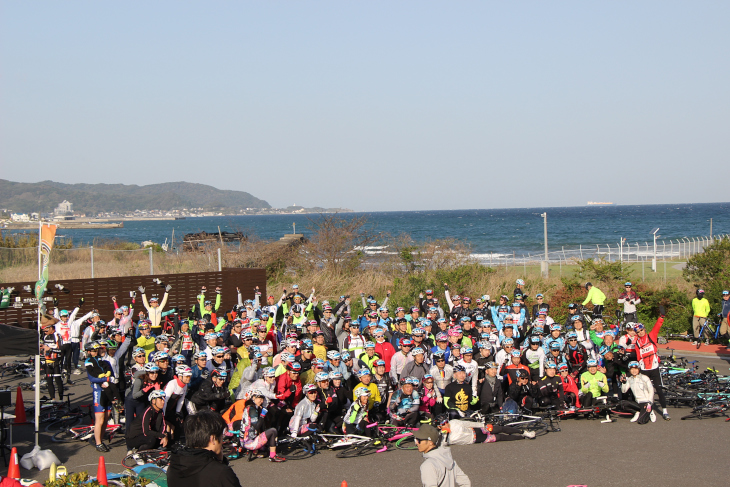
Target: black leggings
[143, 442]
[53, 374]
[358, 429]
[586, 400]
[66, 355]
[409, 419]
[502, 433]
[656, 379]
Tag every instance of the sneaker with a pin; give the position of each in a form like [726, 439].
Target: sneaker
[277, 459]
[666, 416]
[652, 416]
[528, 434]
[635, 418]
[76, 371]
[102, 448]
[137, 459]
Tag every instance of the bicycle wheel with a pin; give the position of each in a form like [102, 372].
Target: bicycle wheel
[704, 412]
[360, 450]
[406, 443]
[295, 450]
[63, 423]
[538, 426]
[64, 436]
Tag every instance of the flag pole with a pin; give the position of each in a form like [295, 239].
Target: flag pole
[38, 356]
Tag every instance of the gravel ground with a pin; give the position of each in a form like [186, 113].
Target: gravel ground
[673, 453]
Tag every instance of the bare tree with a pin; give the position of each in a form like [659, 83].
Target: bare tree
[337, 244]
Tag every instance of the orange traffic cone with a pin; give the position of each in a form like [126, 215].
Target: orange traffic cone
[19, 408]
[14, 467]
[344, 483]
[101, 472]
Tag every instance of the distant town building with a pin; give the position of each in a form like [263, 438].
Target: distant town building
[65, 208]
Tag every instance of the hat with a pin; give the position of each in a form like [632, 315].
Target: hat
[427, 432]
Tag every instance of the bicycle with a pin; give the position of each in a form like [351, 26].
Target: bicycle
[159, 458]
[83, 433]
[709, 410]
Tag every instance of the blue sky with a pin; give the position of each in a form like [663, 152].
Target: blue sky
[373, 105]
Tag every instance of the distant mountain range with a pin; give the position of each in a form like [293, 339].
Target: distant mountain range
[93, 198]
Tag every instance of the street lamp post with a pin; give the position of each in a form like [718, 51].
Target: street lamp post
[544, 266]
[653, 259]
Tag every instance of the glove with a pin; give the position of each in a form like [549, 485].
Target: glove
[167, 288]
[280, 397]
[439, 400]
[113, 380]
[104, 385]
[648, 407]
[294, 435]
[293, 388]
[328, 400]
[376, 404]
[147, 389]
[81, 302]
[204, 374]
[263, 412]
[141, 289]
[387, 410]
[474, 400]
[55, 302]
[600, 384]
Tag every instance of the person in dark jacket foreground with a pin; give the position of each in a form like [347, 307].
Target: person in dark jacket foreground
[149, 431]
[201, 462]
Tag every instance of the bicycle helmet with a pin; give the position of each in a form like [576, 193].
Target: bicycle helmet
[150, 367]
[345, 356]
[406, 342]
[453, 332]
[484, 344]
[459, 368]
[508, 342]
[161, 339]
[156, 394]
[534, 340]
[363, 372]
[178, 358]
[207, 336]
[362, 391]
[597, 321]
[161, 356]
[563, 366]
[465, 351]
[577, 318]
[515, 353]
[379, 363]
[508, 325]
[521, 374]
[555, 327]
[369, 345]
[321, 377]
[413, 381]
[725, 293]
[633, 364]
[333, 355]
[554, 346]
[638, 326]
[417, 351]
[550, 365]
[439, 354]
[255, 393]
[138, 352]
[571, 336]
[520, 282]
[184, 371]
[89, 346]
[419, 331]
[294, 367]
[491, 365]
[217, 351]
[309, 388]
[216, 373]
[442, 337]
[591, 362]
[308, 345]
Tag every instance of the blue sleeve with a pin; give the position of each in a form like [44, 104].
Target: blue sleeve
[96, 380]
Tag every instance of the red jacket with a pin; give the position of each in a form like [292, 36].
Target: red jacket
[569, 385]
[646, 348]
[288, 390]
[386, 352]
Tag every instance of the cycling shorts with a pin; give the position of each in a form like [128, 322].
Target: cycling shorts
[101, 400]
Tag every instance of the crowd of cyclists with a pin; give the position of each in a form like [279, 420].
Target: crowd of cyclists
[293, 366]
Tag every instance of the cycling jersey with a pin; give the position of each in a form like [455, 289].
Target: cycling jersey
[402, 404]
[458, 396]
[385, 385]
[472, 373]
[98, 372]
[577, 357]
[646, 347]
[534, 359]
[53, 341]
[174, 397]
[397, 363]
[593, 383]
[549, 340]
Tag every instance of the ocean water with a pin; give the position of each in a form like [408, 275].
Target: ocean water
[489, 233]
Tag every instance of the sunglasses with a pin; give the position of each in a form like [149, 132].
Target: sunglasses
[440, 360]
[219, 356]
[312, 392]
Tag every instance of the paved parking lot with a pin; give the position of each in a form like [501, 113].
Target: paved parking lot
[666, 454]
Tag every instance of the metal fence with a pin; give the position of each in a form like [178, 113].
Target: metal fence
[666, 250]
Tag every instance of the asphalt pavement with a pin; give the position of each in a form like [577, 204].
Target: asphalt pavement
[585, 452]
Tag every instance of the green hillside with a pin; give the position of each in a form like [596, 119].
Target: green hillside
[93, 198]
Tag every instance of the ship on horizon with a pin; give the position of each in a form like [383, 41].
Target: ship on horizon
[600, 203]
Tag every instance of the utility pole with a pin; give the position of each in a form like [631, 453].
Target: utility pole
[545, 267]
